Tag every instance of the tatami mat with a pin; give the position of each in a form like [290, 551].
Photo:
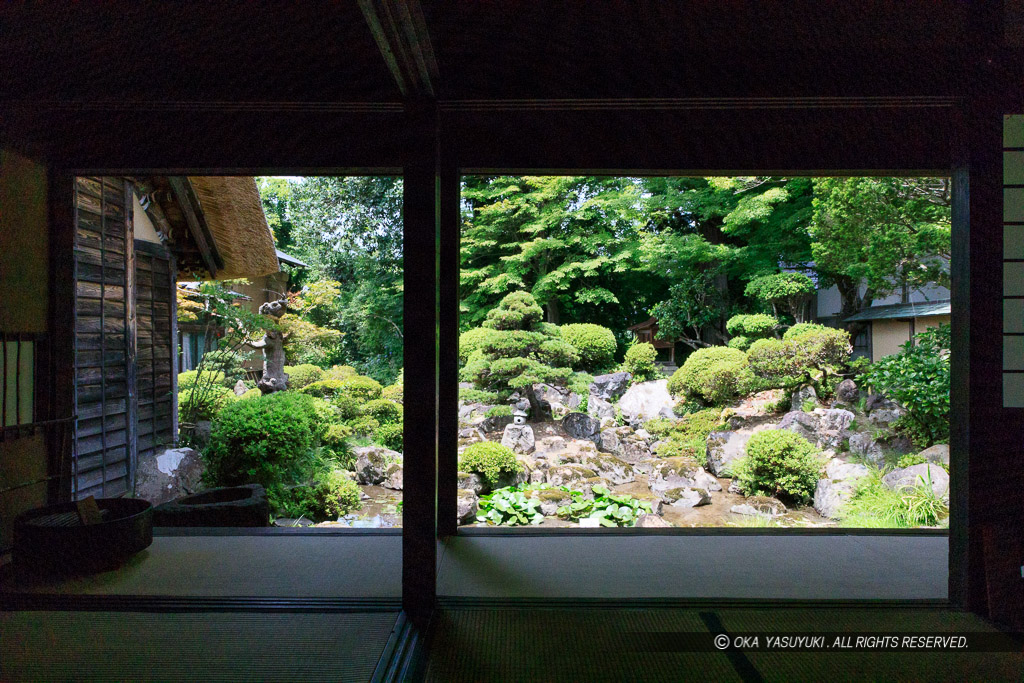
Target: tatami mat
[107, 646]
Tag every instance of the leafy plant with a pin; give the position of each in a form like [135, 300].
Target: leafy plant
[499, 411]
[813, 356]
[748, 327]
[640, 362]
[917, 378]
[303, 375]
[595, 344]
[715, 374]
[874, 505]
[331, 495]
[391, 435]
[509, 506]
[787, 291]
[609, 509]
[778, 463]
[808, 405]
[490, 460]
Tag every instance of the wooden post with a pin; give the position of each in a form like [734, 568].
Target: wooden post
[448, 345]
[61, 351]
[420, 214]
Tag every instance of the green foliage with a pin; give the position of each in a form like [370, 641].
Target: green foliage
[394, 392]
[754, 325]
[191, 378]
[640, 362]
[694, 305]
[509, 506]
[801, 328]
[391, 435]
[340, 372]
[303, 375]
[251, 393]
[478, 396]
[308, 343]
[267, 441]
[516, 311]
[659, 427]
[874, 505]
[383, 410]
[909, 460]
[918, 379]
[715, 374]
[688, 436]
[595, 345]
[325, 388]
[778, 463]
[363, 425]
[334, 495]
[809, 357]
[609, 509]
[490, 460]
[471, 340]
[741, 342]
[787, 291]
[353, 386]
[499, 411]
[203, 403]
[228, 362]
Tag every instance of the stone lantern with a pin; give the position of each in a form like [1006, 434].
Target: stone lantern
[520, 411]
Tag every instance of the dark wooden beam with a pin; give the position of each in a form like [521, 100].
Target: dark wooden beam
[448, 341]
[400, 31]
[186, 198]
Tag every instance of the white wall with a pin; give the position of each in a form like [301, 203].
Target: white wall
[144, 228]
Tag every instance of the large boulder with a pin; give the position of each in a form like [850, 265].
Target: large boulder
[610, 387]
[673, 473]
[580, 426]
[799, 422]
[723, 448]
[608, 467]
[168, 475]
[761, 506]
[937, 454]
[519, 438]
[571, 476]
[919, 475]
[647, 400]
[471, 481]
[847, 392]
[608, 441]
[834, 419]
[599, 408]
[495, 423]
[882, 411]
[372, 464]
[393, 477]
[686, 497]
[651, 521]
[633, 449]
[466, 506]
[837, 487]
[801, 395]
[865, 446]
[550, 500]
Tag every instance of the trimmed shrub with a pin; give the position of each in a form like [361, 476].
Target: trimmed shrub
[203, 402]
[517, 311]
[801, 328]
[325, 388]
[779, 463]
[188, 379]
[229, 364]
[356, 386]
[251, 393]
[330, 496]
[471, 340]
[715, 374]
[340, 372]
[336, 445]
[809, 357]
[383, 410]
[640, 362]
[391, 435]
[595, 344]
[396, 391]
[302, 375]
[490, 460]
[267, 440]
[740, 342]
[687, 436]
[499, 411]
[364, 425]
[478, 396]
[753, 325]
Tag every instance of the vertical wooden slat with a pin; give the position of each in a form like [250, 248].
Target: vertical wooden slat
[172, 269]
[103, 326]
[7, 371]
[448, 346]
[131, 343]
[17, 377]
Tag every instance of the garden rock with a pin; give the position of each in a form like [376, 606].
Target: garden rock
[647, 400]
[372, 463]
[801, 395]
[519, 438]
[571, 476]
[837, 487]
[882, 411]
[587, 485]
[633, 449]
[580, 425]
[393, 477]
[471, 482]
[799, 422]
[864, 446]
[651, 521]
[551, 500]
[240, 388]
[937, 454]
[686, 497]
[834, 419]
[760, 505]
[466, 505]
[607, 466]
[173, 473]
[471, 435]
[609, 441]
[609, 387]
[723, 448]
[703, 480]
[671, 473]
[495, 423]
[847, 392]
[600, 408]
[918, 475]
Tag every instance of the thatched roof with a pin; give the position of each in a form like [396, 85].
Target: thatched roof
[233, 214]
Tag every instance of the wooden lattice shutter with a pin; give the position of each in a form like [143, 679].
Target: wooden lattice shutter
[156, 348]
[104, 435]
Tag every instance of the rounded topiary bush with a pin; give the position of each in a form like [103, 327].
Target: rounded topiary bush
[752, 325]
[640, 362]
[595, 344]
[302, 375]
[251, 393]
[361, 388]
[188, 379]
[340, 372]
[471, 340]
[779, 463]
[383, 410]
[325, 388]
[391, 435]
[801, 328]
[203, 402]
[330, 496]
[490, 460]
[267, 440]
[715, 374]
[516, 311]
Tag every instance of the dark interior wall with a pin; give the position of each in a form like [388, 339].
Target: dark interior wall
[24, 266]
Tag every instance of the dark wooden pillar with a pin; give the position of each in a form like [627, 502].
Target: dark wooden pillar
[448, 341]
[420, 219]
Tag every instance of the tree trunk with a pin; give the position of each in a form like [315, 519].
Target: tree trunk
[553, 314]
[274, 377]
